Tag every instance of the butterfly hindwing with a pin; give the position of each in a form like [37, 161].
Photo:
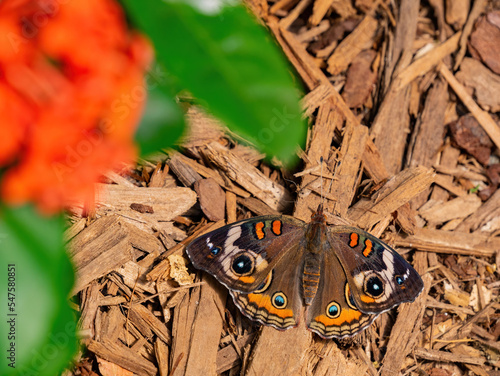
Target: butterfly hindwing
[241, 255]
[333, 312]
[378, 276]
[278, 301]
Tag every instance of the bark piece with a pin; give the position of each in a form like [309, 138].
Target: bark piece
[298, 55]
[469, 352]
[152, 322]
[358, 40]
[486, 85]
[184, 172]
[468, 135]
[316, 98]
[484, 119]
[448, 159]
[212, 199]
[360, 79]
[485, 41]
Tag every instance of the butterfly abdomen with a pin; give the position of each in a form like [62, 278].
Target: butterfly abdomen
[310, 277]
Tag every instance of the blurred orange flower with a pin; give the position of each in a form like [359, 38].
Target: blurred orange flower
[72, 91]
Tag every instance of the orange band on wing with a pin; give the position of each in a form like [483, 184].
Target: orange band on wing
[354, 240]
[264, 302]
[276, 227]
[368, 248]
[259, 230]
[247, 279]
[347, 316]
[366, 299]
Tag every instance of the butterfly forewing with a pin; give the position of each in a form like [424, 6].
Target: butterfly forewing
[242, 254]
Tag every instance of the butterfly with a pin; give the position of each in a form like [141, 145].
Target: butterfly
[279, 268]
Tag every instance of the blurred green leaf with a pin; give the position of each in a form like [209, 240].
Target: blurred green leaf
[219, 53]
[44, 333]
[162, 123]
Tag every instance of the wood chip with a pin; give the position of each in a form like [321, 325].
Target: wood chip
[443, 356]
[485, 84]
[99, 249]
[346, 172]
[167, 203]
[459, 207]
[427, 62]
[120, 354]
[206, 330]
[360, 79]
[395, 193]
[248, 176]
[485, 42]
[448, 242]
[358, 40]
[407, 327]
[486, 121]
[212, 199]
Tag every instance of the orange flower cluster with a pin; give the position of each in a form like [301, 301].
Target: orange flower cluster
[71, 94]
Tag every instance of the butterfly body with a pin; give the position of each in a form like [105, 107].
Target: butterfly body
[279, 268]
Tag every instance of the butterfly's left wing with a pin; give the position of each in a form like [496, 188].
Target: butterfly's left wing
[241, 255]
[378, 276]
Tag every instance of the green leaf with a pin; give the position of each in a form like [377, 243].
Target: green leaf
[229, 62]
[162, 123]
[41, 333]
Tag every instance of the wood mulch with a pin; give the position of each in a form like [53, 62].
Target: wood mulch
[403, 104]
